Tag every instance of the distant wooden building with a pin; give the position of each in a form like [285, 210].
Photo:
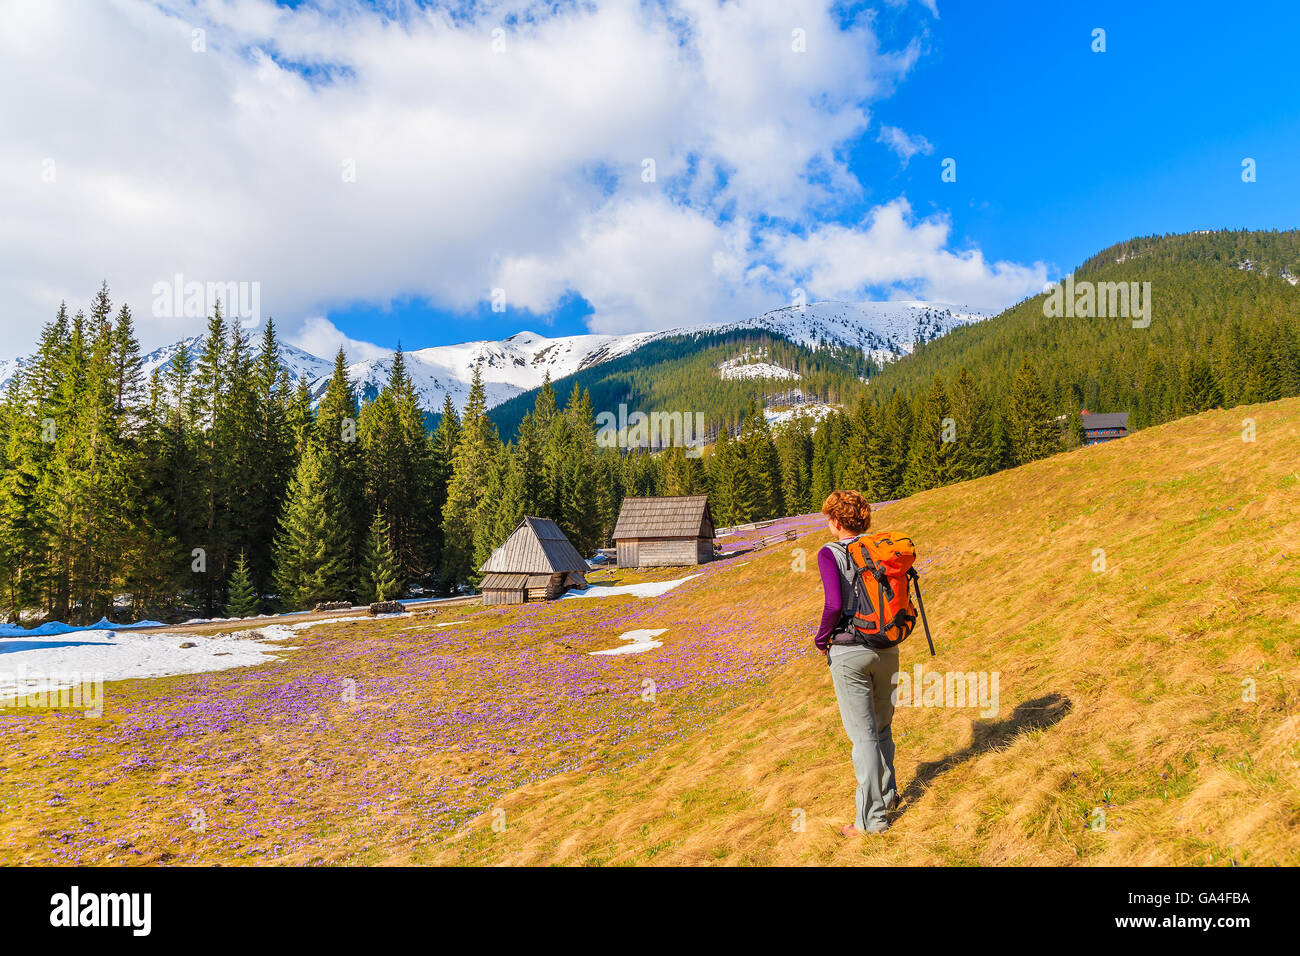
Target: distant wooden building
[1106, 426]
[664, 532]
[536, 563]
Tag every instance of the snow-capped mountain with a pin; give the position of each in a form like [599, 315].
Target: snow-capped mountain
[299, 364]
[882, 330]
[517, 364]
[9, 368]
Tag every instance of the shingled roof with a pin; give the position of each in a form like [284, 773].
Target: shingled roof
[684, 517]
[537, 546]
[1105, 420]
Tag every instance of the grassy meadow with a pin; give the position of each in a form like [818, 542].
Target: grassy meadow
[1139, 601]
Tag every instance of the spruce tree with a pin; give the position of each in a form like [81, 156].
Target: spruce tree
[934, 438]
[244, 601]
[493, 517]
[974, 453]
[825, 473]
[379, 569]
[759, 491]
[892, 457]
[1200, 391]
[211, 391]
[336, 437]
[126, 362]
[443, 442]
[300, 419]
[794, 448]
[1033, 429]
[313, 559]
[475, 455]
[580, 508]
[723, 473]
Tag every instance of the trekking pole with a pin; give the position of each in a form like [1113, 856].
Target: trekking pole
[916, 579]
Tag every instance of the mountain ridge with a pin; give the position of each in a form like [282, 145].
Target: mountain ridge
[882, 331]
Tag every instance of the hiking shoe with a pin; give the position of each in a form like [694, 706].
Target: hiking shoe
[849, 830]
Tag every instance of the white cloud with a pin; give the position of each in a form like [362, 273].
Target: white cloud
[892, 251]
[473, 168]
[904, 145]
[645, 263]
[320, 337]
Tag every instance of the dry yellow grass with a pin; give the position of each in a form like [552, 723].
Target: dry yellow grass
[1120, 690]
[1124, 691]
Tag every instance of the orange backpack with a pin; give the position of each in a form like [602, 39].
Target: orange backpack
[885, 613]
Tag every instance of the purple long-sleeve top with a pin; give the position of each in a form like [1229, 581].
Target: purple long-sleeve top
[833, 608]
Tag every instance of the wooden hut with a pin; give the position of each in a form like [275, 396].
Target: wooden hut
[664, 532]
[1105, 426]
[536, 563]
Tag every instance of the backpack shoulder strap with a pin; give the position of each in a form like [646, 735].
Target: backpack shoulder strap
[848, 576]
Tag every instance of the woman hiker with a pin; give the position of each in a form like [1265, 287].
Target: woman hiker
[863, 676]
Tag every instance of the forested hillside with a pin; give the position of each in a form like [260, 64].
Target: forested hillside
[218, 487]
[1225, 329]
[681, 373]
[208, 486]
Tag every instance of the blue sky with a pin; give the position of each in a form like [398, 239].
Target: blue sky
[1061, 151]
[380, 170]
[1066, 151]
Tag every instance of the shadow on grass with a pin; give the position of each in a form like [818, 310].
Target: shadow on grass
[1037, 714]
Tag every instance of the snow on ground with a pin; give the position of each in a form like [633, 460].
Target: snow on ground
[728, 371]
[638, 641]
[104, 624]
[58, 627]
[49, 662]
[814, 410]
[94, 656]
[647, 589]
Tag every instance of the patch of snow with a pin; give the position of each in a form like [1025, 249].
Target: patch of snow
[814, 410]
[758, 370]
[638, 642]
[89, 655]
[752, 364]
[646, 589]
[93, 656]
[52, 628]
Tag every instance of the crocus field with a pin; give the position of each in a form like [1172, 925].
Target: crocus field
[364, 742]
[1139, 602]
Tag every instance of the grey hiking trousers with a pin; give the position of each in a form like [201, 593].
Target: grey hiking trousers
[864, 687]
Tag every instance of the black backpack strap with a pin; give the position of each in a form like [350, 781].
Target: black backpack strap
[848, 578]
[916, 582]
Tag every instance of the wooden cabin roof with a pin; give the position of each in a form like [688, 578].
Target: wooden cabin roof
[537, 546]
[682, 517]
[1105, 420]
[501, 581]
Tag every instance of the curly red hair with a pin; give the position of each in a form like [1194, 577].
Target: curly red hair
[849, 510]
